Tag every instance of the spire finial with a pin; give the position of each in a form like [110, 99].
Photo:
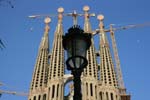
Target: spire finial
[101, 18]
[60, 10]
[102, 30]
[60, 13]
[86, 14]
[47, 20]
[86, 8]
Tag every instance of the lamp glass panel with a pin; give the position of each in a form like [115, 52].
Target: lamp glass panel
[76, 49]
[76, 62]
[80, 46]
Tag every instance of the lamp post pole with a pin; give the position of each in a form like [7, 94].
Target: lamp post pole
[77, 84]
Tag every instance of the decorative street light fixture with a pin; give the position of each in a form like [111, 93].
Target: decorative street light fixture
[76, 43]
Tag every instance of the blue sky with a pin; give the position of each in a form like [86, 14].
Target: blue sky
[18, 58]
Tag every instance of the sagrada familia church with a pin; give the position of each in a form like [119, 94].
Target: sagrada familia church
[100, 80]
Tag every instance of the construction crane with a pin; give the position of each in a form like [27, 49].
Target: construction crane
[115, 51]
[60, 10]
[13, 93]
[117, 61]
[67, 78]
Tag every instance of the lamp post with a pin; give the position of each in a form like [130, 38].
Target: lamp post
[76, 43]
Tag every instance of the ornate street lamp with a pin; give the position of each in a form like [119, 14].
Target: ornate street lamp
[76, 43]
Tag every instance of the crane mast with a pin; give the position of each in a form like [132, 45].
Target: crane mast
[116, 56]
[117, 61]
[115, 51]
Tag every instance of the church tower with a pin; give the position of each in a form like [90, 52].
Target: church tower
[108, 86]
[39, 79]
[56, 68]
[89, 80]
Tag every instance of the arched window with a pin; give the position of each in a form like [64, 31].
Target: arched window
[87, 88]
[53, 91]
[49, 89]
[34, 98]
[100, 94]
[91, 88]
[96, 91]
[107, 96]
[39, 97]
[57, 89]
[112, 97]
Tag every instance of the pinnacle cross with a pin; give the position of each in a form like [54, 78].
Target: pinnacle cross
[74, 14]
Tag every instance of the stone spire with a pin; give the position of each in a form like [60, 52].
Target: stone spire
[39, 78]
[108, 89]
[108, 76]
[89, 80]
[56, 67]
